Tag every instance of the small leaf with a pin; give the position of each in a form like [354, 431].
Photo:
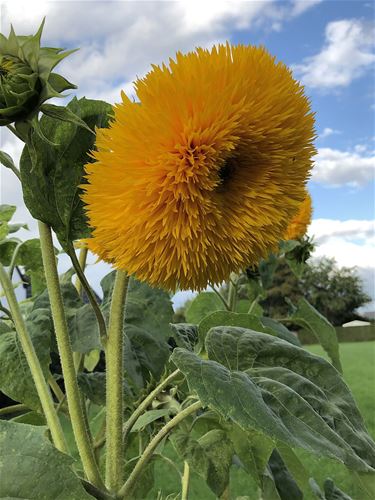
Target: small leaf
[7, 160]
[202, 305]
[64, 114]
[30, 467]
[185, 335]
[307, 316]
[148, 417]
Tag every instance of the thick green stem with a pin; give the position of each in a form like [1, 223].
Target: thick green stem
[185, 482]
[90, 295]
[66, 356]
[41, 385]
[127, 427]
[126, 490]
[114, 384]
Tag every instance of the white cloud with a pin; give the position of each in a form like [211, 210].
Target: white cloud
[119, 40]
[300, 6]
[338, 168]
[352, 244]
[327, 131]
[348, 52]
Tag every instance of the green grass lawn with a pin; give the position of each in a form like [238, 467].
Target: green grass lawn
[358, 360]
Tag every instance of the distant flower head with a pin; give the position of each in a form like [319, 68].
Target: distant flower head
[202, 176]
[301, 221]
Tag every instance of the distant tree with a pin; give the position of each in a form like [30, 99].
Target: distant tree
[335, 292]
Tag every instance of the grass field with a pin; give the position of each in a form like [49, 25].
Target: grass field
[358, 361]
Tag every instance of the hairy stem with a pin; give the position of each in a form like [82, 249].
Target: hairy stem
[114, 383]
[185, 482]
[82, 264]
[76, 412]
[40, 382]
[90, 295]
[127, 427]
[126, 490]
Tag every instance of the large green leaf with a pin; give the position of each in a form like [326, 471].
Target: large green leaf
[202, 305]
[82, 323]
[147, 307]
[51, 183]
[307, 316]
[289, 375]
[210, 456]
[279, 394]
[148, 314]
[31, 468]
[259, 324]
[144, 355]
[15, 376]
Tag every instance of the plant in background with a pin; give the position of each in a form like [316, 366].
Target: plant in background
[188, 187]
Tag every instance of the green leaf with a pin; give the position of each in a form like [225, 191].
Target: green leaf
[144, 355]
[6, 213]
[202, 305]
[284, 402]
[148, 417]
[30, 467]
[253, 449]
[228, 318]
[51, 183]
[307, 316]
[147, 307]
[84, 329]
[286, 486]
[64, 114]
[331, 491]
[29, 255]
[15, 376]
[82, 323]
[185, 335]
[210, 456]
[7, 248]
[321, 410]
[7, 160]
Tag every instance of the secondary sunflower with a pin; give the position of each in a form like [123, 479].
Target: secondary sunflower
[300, 222]
[202, 176]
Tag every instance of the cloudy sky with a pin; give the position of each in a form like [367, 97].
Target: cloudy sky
[328, 43]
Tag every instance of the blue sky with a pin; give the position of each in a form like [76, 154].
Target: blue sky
[328, 43]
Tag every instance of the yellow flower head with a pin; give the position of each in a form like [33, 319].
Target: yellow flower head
[300, 222]
[201, 177]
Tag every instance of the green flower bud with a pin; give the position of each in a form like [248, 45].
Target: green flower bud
[26, 77]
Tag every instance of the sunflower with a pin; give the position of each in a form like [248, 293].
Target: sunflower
[201, 176]
[300, 222]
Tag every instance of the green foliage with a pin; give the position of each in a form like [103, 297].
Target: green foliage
[261, 376]
[51, 184]
[210, 456]
[30, 467]
[185, 335]
[15, 376]
[202, 305]
[335, 292]
[308, 317]
[82, 323]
